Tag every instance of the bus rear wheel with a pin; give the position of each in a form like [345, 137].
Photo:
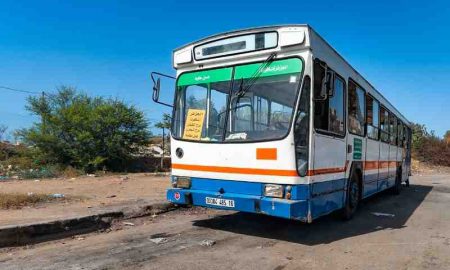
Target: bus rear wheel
[352, 198]
[398, 183]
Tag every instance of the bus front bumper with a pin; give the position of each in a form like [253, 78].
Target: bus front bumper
[290, 209]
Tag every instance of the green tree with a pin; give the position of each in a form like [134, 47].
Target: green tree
[447, 137]
[85, 132]
[165, 124]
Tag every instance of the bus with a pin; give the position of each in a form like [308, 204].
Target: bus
[273, 120]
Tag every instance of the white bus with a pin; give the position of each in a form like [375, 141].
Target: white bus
[273, 120]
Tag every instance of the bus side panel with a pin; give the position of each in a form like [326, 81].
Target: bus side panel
[384, 166]
[392, 164]
[371, 167]
[328, 189]
[327, 196]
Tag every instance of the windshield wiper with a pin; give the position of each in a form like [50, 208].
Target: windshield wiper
[242, 90]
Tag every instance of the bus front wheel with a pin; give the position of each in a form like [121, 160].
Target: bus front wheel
[352, 198]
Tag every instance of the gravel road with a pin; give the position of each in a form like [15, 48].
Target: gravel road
[417, 236]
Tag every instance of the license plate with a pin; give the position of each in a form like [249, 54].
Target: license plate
[220, 202]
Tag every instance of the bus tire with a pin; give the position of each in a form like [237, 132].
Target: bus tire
[398, 182]
[352, 197]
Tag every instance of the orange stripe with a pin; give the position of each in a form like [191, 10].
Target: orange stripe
[234, 170]
[383, 164]
[371, 165]
[327, 170]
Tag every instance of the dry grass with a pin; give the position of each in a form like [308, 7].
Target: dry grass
[18, 201]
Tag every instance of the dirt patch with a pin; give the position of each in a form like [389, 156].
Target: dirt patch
[419, 167]
[18, 200]
[88, 195]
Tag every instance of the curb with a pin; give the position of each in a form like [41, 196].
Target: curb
[21, 235]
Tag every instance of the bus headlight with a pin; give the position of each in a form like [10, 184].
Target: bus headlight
[272, 190]
[181, 182]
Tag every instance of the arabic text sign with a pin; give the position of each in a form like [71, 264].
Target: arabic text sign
[194, 124]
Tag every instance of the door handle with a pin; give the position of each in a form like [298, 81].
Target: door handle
[349, 148]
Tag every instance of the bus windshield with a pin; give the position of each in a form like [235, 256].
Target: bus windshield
[210, 106]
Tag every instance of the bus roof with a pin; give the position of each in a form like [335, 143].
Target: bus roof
[311, 32]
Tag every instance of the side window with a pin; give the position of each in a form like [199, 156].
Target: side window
[336, 109]
[356, 110]
[372, 117]
[384, 125]
[400, 133]
[405, 136]
[329, 112]
[302, 128]
[393, 126]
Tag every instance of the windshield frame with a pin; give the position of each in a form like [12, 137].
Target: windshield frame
[232, 83]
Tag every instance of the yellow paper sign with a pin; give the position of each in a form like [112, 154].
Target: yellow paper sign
[194, 124]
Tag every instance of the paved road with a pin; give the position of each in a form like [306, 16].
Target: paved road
[417, 237]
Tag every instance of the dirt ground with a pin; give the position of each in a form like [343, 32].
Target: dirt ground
[91, 194]
[416, 237]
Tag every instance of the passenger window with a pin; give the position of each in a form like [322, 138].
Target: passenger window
[393, 127]
[373, 119]
[356, 110]
[384, 125]
[400, 133]
[329, 113]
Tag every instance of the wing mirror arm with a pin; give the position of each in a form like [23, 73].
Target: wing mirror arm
[157, 87]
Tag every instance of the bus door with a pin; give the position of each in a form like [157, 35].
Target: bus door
[401, 153]
[356, 127]
[329, 146]
[371, 167]
[392, 150]
[383, 163]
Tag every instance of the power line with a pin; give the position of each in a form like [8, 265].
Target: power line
[20, 90]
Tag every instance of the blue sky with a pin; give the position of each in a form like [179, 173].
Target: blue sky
[108, 48]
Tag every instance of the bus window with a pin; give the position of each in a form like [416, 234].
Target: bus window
[400, 133]
[217, 104]
[279, 116]
[329, 113]
[384, 122]
[261, 113]
[243, 115]
[196, 97]
[405, 136]
[373, 119]
[356, 110]
[393, 127]
[301, 131]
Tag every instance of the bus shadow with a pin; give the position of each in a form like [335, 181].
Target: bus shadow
[329, 228]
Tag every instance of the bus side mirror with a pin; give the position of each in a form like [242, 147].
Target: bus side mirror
[156, 89]
[156, 78]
